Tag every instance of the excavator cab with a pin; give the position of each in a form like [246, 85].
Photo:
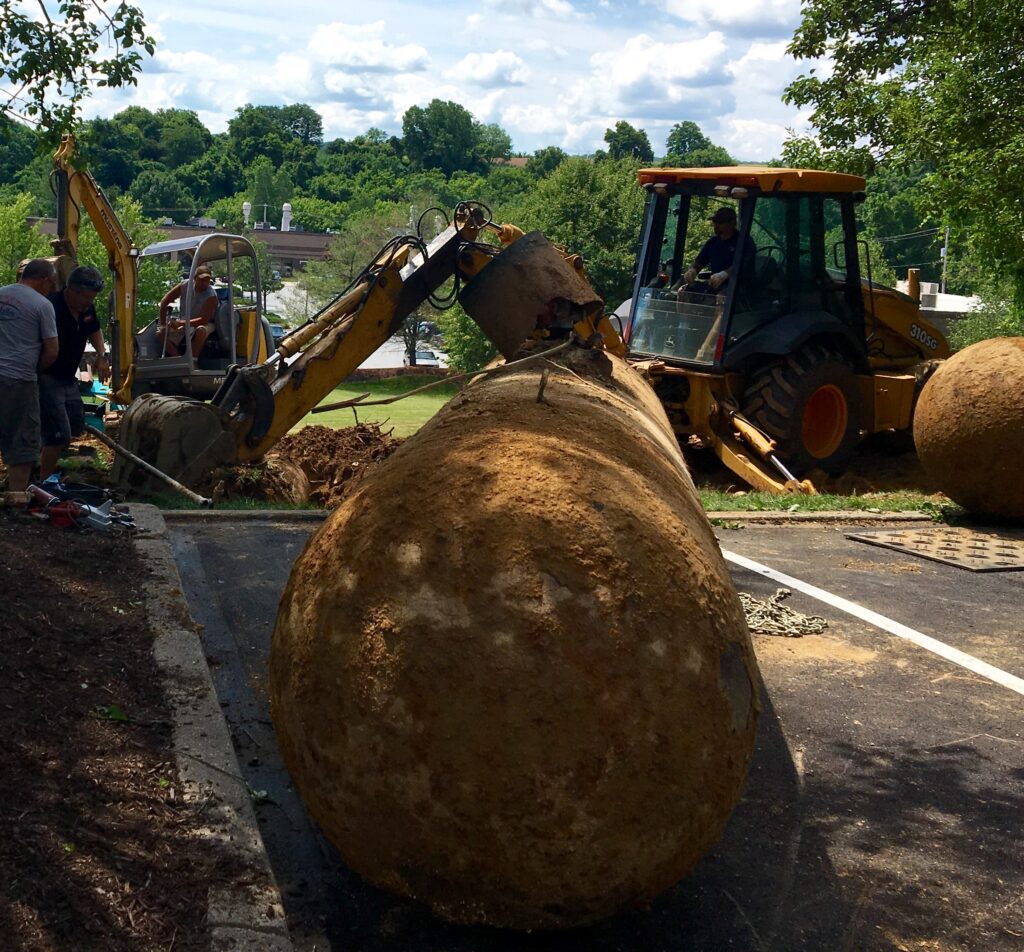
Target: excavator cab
[240, 334]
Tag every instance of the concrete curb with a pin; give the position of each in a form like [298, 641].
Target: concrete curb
[843, 516]
[242, 918]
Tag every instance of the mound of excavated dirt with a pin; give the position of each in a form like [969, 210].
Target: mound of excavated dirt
[510, 675]
[331, 459]
[969, 427]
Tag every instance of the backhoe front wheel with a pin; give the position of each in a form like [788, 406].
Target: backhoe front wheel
[809, 403]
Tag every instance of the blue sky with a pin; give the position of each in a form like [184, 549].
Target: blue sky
[550, 72]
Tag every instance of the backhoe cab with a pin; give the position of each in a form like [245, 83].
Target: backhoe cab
[796, 355]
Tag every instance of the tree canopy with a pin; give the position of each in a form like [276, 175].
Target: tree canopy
[442, 135]
[50, 59]
[627, 142]
[932, 81]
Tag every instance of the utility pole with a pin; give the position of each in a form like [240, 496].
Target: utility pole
[944, 255]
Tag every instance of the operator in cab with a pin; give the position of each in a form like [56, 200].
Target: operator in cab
[717, 255]
[199, 324]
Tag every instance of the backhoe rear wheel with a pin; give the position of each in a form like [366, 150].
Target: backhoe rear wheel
[809, 403]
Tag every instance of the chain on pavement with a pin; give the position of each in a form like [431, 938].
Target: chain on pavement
[769, 617]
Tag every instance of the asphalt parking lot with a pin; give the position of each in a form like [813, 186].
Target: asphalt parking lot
[883, 807]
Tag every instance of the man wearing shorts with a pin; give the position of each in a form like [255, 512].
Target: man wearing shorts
[60, 399]
[28, 343]
[199, 323]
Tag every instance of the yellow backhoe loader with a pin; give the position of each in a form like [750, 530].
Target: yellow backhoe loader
[783, 368]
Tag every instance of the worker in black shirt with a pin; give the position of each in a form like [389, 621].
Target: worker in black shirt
[60, 400]
[716, 255]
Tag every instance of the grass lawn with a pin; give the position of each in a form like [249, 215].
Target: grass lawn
[406, 416]
[715, 500]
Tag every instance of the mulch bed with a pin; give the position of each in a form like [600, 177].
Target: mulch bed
[98, 850]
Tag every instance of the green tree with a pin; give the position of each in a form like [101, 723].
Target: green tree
[17, 147]
[353, 249]
[315, 214]
[303, 122]
[806, 152]
[442, 135]
[17, 240]
[933, 82]
[161, 195]
[110, 151]
[464, 343]
[593, 209]
[51, 57]
[685, 137]
[545, 161]
[183, 138]
[228, 212]
[714, 156]
[627, 142]
[145, 128]
[493, 142]
[214, 175]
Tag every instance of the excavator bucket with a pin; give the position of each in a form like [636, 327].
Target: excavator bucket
[530, 286]
[181, 437]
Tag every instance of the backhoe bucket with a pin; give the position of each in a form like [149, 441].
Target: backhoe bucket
[181, 437]
[530, 285]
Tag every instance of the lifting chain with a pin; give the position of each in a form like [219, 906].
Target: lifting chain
[769, 617]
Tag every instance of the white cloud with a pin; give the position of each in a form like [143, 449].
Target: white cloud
[500, 68]
[754, 139]
[355, 48]
[546, 48]
[738, 17]
[537, 9]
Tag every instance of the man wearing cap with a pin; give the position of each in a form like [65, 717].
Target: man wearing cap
[60, 398]
[717, 254]
[28, 343]
[199, 323]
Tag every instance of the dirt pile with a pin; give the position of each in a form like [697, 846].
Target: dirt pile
[331, 459]
[969, 427]
[510, 675]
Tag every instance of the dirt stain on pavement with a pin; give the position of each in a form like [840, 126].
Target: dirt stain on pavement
[894, 568]
[810, 648]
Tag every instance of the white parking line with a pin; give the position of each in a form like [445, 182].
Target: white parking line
[948, 652]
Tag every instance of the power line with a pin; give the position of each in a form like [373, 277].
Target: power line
[910, 234]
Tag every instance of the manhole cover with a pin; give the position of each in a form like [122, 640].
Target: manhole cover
[979, 550]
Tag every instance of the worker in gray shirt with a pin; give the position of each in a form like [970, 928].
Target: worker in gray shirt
[28, 343]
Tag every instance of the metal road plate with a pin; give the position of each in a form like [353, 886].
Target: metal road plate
[978, 550]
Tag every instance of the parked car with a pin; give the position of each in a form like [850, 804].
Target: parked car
[424, 358]
[277, 332]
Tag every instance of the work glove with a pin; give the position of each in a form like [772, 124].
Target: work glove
[718, 279]
[690, 276]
